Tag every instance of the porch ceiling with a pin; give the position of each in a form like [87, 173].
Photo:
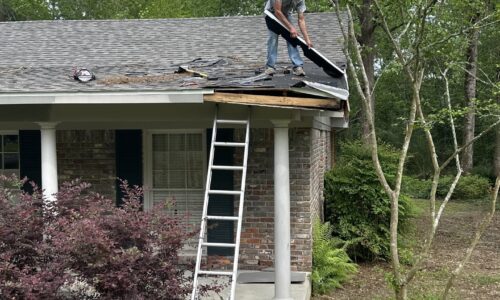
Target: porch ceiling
[152, 116]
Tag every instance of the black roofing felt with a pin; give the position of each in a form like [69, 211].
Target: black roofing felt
[131, 55]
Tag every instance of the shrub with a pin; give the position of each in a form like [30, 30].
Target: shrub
[331, 264]
[83, 247]
[445, 182]
[416, 188]
[357, 205]
[469, 187]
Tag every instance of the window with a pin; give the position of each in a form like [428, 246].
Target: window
[177, 161]
[9, 153]
[175, 170]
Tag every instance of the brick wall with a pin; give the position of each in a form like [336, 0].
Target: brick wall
[89, 155]
[300, 209]
[257, 235]
[308, 158]
[320, 163]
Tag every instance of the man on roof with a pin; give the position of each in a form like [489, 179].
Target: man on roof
[282, 9]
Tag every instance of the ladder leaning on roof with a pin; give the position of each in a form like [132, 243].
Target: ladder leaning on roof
[208, 192]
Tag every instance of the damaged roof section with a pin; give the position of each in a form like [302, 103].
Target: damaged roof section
[170, 55]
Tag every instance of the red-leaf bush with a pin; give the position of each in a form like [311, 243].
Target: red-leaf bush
[83, 247]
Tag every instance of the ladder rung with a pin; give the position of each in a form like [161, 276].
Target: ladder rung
[229, 144]
[215, 273]
[222, 245]
[229, 168]
[243, 122]
[222, 218]
[224, 192]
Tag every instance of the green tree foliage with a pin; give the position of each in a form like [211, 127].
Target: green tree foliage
[200, 8]
[17, 10]
[357, 206]
[97, 9]
[21, 10]
[181, 9]
[443, 47]
[331, 264]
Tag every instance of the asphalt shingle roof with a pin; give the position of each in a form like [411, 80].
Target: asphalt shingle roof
[39, 56]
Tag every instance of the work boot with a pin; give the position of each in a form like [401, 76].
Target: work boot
[270, 71]
[299, 71]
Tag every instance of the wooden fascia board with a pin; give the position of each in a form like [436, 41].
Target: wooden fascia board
[233, 98]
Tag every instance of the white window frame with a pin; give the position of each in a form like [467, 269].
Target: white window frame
[10, 132]
[148, 160]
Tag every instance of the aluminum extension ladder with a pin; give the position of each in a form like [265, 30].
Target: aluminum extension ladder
[208, 191]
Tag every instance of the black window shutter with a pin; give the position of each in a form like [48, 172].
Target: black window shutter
[30, 156]
[221, 205]
[128, 159]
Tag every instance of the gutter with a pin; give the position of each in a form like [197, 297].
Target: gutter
[132, 97]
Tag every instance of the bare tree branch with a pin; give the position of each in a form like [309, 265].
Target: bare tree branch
[403, 32]
[346, 51]
[365, 93]
[395, 43]
[450, 158]
[455, 146]
[378, 79]
[489, 82]
[422, 17]
[477, 236]
[357, 53]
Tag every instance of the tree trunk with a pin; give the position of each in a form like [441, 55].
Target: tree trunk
[497, 154]
[496, 159]
[367, 41]
[470, 95]
[402, 293]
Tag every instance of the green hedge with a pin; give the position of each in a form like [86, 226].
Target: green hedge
[357, 205]
[416, 188]
[470, 187]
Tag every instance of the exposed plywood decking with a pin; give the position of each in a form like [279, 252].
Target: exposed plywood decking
[330, 103]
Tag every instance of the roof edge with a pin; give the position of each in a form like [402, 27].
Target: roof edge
[132, 97]
[153, 19]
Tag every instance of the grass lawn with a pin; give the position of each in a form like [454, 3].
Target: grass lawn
[480, 279]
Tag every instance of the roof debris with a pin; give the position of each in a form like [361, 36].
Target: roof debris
[147, 79]
[251, 80]
[186, 69]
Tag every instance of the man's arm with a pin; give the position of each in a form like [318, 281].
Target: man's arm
[303, 28]
[279, 14]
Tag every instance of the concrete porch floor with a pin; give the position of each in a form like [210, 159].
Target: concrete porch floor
[257, 291]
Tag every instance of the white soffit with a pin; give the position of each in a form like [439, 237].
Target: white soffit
[136, 97]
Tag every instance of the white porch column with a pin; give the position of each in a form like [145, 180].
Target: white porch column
[49, 160]
[282, 286]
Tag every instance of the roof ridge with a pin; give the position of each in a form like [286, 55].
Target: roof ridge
[145, 20]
